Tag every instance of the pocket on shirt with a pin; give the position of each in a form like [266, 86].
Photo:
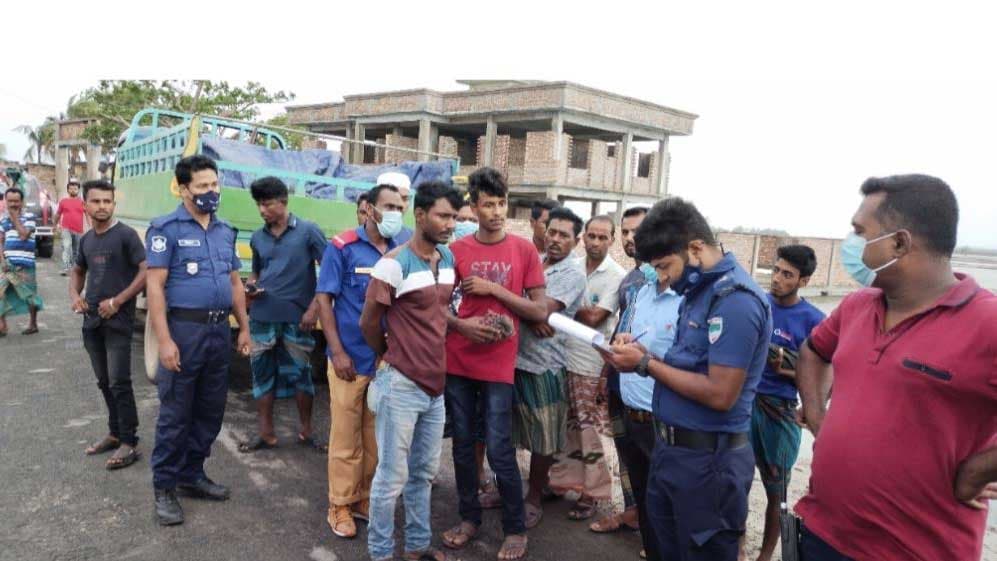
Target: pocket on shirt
[937, 373]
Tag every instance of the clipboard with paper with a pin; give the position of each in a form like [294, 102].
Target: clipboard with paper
[579, 331]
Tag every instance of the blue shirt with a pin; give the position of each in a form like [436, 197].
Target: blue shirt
[18, 252]
[655, 314]
[790, 327]
[285, 269]
[200, 261]
[345, 273]
[723, 320]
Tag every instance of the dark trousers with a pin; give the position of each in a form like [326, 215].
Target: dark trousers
[191, 402]
[110, 353]
[813, 548]
[614, 404]
[637, 449]
[462, 395]
[697, 500]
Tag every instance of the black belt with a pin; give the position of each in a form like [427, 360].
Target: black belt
[638, 416]
[199, 316]
[700, 440]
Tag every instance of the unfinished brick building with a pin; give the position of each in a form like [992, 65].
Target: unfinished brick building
[555, 140]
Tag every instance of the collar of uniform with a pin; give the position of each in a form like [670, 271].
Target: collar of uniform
[725, 265]
[362, 234]
[183, 214]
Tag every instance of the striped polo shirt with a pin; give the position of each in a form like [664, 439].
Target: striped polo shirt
[416, 318]
[18, 252]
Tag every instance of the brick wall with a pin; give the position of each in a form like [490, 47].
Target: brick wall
[597, 163]
[742, 245]
[541, 165]
[392, 156]
[448, 146]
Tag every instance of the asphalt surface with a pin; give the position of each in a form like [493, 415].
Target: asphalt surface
[58, 504]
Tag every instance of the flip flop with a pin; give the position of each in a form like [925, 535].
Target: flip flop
[517, 545]
[107, 444]
[610, 524]
[30, 331]
[466, 530]
[310, 442]
[255, 444]
[128, 459]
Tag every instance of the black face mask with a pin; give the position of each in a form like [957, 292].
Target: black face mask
[690, 278]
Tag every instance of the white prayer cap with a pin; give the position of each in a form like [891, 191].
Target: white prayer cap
[396, 179]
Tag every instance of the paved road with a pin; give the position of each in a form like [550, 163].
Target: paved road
[58, 504]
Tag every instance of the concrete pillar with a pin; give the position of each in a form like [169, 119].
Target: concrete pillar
[595, 209]
[359, 134]
[557, 127]
[61, 170]
[345, 150]
[397, 131]
[429, 137]
[664, 162]
[491, 131]
[626, 162]
[93, 161]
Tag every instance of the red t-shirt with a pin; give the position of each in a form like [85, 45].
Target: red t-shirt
[512, 263]
[71, 214]
[908, 406]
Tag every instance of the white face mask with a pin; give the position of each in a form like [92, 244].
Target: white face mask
[390, 224]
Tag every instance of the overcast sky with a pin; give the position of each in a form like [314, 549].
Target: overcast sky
[797, 107]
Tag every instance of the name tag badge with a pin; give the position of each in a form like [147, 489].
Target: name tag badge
[192, 268]
[189, 243]
[363, 270]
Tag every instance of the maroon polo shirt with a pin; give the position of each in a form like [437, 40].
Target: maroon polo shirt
[908, 406]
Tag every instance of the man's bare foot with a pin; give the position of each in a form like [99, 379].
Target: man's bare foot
[106, 444]
[123, 457]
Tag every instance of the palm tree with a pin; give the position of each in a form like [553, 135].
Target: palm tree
[42, 138]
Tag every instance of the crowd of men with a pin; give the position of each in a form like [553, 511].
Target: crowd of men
[443, 328]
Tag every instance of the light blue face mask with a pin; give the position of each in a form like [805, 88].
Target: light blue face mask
[650, 275]
[466, 228]
[852, 250]
[390, 224]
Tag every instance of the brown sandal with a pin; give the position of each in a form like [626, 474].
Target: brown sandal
[106, 444]
[118, 460]
[460, 535]
[513, 543]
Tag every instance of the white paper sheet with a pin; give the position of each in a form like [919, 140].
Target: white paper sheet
[579, 331]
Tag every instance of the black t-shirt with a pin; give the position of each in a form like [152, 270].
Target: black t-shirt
[111, 262]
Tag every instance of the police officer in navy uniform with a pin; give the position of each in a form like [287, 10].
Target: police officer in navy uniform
[192, 285]
[703, 464]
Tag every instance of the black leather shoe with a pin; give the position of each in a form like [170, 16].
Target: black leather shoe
[205, 489]
[168, 510]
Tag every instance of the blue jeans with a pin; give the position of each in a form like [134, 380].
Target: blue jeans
[408, 427]
[463, 398]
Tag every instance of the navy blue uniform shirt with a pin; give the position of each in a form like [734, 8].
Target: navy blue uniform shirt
[199, 261]
[724, 320]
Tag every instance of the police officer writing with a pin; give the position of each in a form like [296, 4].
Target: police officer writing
[192, 286]
[702, 465]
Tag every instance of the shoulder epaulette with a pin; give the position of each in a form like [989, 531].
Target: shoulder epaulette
[160, 221]
[344, 239]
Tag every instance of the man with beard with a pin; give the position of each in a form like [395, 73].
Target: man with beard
[18, 280]
[284, 310]
[702, 465]
[110, 262]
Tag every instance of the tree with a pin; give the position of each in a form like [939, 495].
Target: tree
[42, 139]
[114, 102]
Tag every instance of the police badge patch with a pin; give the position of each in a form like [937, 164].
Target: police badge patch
[158, 244]
[192, 268]
[715, 329]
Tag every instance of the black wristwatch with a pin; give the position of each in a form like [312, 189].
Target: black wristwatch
[642, 365]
